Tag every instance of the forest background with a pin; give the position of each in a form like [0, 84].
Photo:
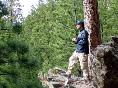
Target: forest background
[43, 39]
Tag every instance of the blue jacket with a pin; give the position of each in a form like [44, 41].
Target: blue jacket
[82, 45]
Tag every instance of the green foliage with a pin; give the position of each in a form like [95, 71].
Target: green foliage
[17, 68]
[17, 28]
[43, 40]
[12, 62]
[49, 29]
[48, 32]
[108, 14]
[3, 9]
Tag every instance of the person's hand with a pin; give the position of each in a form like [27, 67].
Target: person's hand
[74, 39]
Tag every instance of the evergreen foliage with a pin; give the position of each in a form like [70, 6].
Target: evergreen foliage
[108, 19]
[43, 40]
[17, 68]
[49, 30]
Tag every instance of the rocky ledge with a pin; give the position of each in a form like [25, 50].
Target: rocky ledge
[103, 68]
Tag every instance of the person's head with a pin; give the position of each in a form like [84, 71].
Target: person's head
[80, 24]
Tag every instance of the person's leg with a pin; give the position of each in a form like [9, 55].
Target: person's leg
[83, 58]
[72, 60]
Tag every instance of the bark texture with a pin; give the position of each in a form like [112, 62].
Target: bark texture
[92, 24]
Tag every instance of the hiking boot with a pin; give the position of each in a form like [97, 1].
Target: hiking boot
[68, 81]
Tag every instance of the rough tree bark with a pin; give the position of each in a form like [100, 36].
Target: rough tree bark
[92, 24]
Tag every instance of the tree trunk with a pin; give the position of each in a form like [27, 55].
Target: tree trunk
[92, 24]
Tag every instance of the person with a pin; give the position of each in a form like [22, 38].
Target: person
[81, 52]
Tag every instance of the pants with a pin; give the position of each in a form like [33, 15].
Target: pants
[83, 59]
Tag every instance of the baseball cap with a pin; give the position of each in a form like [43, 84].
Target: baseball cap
[79, 22]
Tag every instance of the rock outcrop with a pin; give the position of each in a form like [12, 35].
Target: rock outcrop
[103, 67]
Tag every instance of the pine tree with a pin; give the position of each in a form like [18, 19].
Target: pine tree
[92, 23]
[3, 12]
[17, 69]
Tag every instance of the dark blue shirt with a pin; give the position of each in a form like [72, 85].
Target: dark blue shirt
[82, 45]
